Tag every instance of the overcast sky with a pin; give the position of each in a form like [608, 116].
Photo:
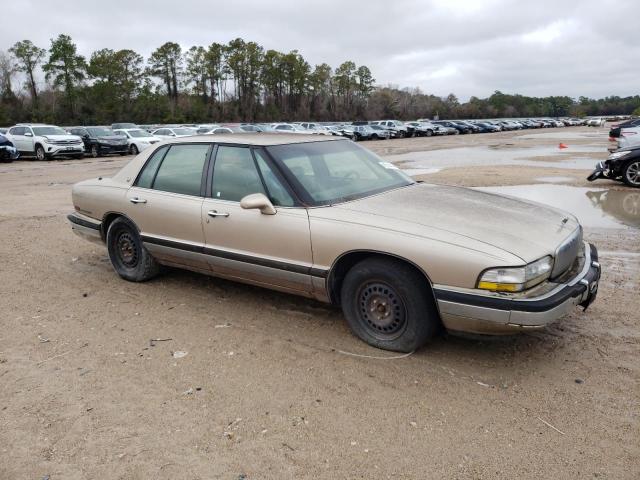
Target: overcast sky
[468, 47]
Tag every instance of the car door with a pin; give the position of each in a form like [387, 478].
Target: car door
[247, 245]
[16, 135]
[165, 203]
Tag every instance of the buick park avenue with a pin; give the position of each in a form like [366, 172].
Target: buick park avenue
[327, 219]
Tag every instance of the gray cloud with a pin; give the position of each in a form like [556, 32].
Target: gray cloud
[463, 46]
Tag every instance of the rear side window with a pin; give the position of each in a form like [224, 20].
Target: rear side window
[145, 180]
[181, 169]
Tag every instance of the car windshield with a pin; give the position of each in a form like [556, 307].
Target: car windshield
[138, 133]
[332, 172]
[100, 132]
[49, 131]
[183, 131]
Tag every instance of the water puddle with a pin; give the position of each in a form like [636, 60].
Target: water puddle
[562, 136]
[553, 179]
[596, 208]
[550, 156]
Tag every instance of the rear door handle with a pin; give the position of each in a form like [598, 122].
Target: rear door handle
[137, 200]
[215, 213]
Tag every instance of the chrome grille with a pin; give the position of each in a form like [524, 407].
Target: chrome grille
[567, 253]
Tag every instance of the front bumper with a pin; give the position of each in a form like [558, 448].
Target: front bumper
[106, 148]
[8, 153]
[73, 149]
[500, 315]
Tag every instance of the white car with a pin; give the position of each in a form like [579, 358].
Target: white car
[215, 131]
[290, 128]
[137, 139]
[595, 122]
[173, 132]
[44, 141]
[629, 137]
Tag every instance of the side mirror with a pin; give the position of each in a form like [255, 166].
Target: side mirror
[258, 201]
[28, 134]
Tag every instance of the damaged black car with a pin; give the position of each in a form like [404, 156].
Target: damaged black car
[8, 152]
[622, 165]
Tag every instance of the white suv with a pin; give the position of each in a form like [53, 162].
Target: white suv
[44, 141]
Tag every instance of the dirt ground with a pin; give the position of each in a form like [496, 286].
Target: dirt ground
[275, 386]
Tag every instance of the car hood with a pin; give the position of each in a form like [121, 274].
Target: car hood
[62, 137]
[111, 137]
[525, 229]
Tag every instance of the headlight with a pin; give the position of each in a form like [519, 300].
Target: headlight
[516, 279]
[615, 155]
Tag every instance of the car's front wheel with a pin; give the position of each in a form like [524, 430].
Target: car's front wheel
[631, 173]
[389, 305]
[40, 153]
[133, 150]
[129, 257]
[95, 153]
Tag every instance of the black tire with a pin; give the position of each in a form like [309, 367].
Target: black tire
[429, 133]
[130, 259]
[389, 305]
[133, 150]
[631, 173]
[40, 153]
[94, 151]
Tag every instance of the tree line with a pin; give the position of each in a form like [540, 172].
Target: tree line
[237, 81]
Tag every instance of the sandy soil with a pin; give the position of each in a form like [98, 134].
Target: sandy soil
[271, 386]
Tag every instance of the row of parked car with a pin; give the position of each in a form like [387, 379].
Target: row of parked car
[48, 141]
[360, 130]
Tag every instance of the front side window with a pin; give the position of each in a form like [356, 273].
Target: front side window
[181, 169]
[17, 131]
[235, 174]
[332, 172]
[278, 194]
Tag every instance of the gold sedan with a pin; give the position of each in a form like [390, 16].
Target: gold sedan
[327, 219]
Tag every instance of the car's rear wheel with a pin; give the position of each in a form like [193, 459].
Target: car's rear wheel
[389, 305]
[429, 133]
[631, 173]
[133, 150]
[129, 257]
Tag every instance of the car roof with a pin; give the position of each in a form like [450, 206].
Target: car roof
[257, 139]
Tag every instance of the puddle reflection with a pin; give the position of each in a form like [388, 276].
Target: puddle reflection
[597, 208]
[500, 155]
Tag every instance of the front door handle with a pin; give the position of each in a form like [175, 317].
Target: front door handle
[215, 213]
[137, 200]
